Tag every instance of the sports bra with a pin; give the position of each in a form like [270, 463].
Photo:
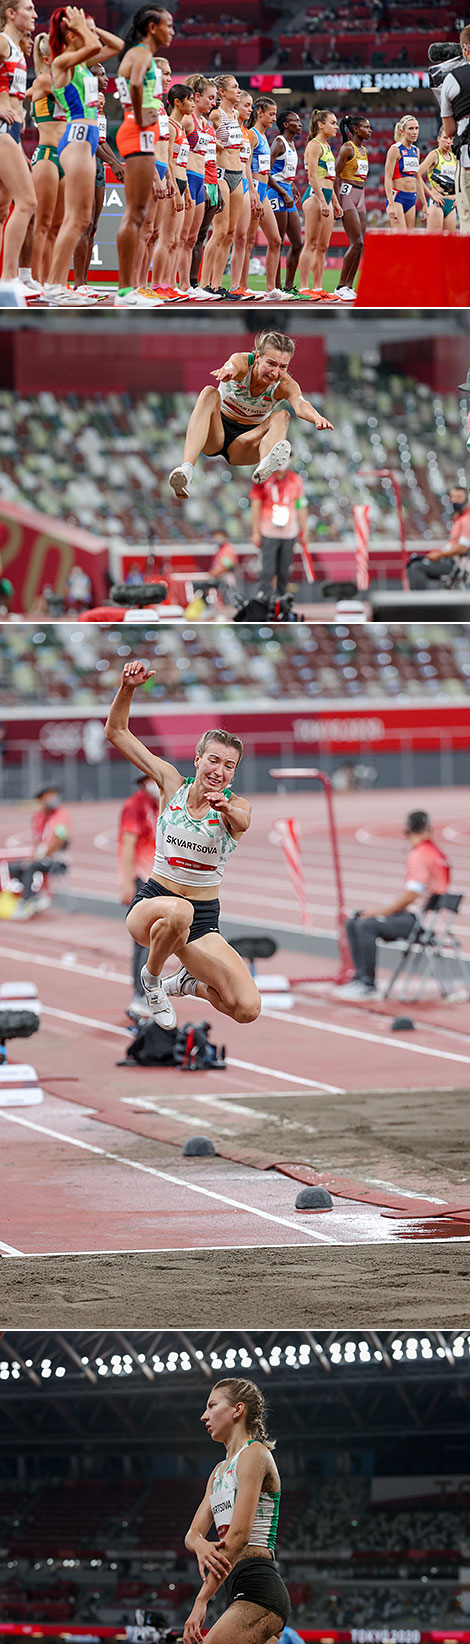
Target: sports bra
[180, 145]
[228, 132]
[285, 166]
[444, 171]
[223, 1497]
[152, 88]
[326, 161]
[197, 139]
[261, 156]
[46, 108]
[239, 403]
[245, 151]
[407, 164]
[189, 849]
[13, 70]
[356, 168]
[81, 94]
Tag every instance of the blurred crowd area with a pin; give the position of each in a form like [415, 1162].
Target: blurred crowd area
[409, 1574]
[102, 463]
[197, 666]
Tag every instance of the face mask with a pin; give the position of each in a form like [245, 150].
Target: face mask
[458, 507]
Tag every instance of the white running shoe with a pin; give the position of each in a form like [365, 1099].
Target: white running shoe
[345, 294]
[138, 1008]
[136, 299]
[180, 479]
[32, 288]
[59, 296]
[86, 292]
[180, 982]
[159, 1006]
[277, 295]
[274, 463]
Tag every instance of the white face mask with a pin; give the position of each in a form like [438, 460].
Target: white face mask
[152, 789]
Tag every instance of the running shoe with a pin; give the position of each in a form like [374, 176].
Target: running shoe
[277, 295]
[326, 296]
[180, 982]
[136, 299]
[208, 293]
[59, 296]
[167, 293]
[86, 292]
[138, 1008]
[345, 294]
[33, 290]
[180, 479]
[159, 1006]
[274, 463]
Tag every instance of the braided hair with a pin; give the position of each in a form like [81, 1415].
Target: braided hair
[238, 1391]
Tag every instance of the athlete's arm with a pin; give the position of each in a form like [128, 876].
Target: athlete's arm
[404, 901]
[421, 194]
[207, 1552]
[312, 156]
[106, 153]
[111, 42]
[390, 161]
[69, 59]
[256, 521]
[290, 391]
[276, 182]
[236, 366]
[117, 731]
[235, 812]
[251, 1468]
[346, 153]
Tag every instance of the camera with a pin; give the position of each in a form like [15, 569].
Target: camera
[444, 56]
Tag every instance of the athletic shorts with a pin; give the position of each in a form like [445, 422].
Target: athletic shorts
[196, 184]
[233, 178]
[79, 131]
[162, 167]
[261, 187]
[258, 1581]
[351, 195]
[211, 191]
[100, 179]
[133, 139]
[13, 131]
[44, 152]
[182, 185]
[232, 430]
[448, 206]
[405, 200]
[277, 203]
[206, 914]
[327, 194]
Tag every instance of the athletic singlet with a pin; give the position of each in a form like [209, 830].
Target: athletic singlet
[180, 146]
[81, 95]
[228, 132]
[444, 171]
[356, 168]
[241, 405]
[46, 109]
[189, 849]
[163, 124]
[326, 161]
[245, 151]
[408, 162]
[285, 167]
[152, 87]
[198, 139]
[102, 127]
[13, 70]
[261, 156]
[210, 172]
[223, 1497]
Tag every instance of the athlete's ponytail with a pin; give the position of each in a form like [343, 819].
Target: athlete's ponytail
[318, 119]
[400, 126]
[238, 1391]
[258, 108]
[41, 52]
[58, 28]
[139, 26]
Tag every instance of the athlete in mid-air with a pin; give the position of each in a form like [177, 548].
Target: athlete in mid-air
[246, 419]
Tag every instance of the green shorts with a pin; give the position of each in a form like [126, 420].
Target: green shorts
[327, 194]
[212, 193]
[44, 152]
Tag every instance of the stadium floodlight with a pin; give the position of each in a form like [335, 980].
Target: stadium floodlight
[103, 1370]
[60, 1370]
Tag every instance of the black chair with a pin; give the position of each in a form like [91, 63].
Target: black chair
[433, 950]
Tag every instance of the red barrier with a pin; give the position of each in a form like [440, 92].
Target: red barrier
[38, 552]
[414, 271]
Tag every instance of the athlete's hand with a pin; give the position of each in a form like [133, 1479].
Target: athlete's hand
[178, 202]
[337, 208]
[435, 553]
[76, 20]
[136, 673]
[324, 209]
[321, 422]
[192, 1632]
[118, 173]
[224, 373]
[210, 1557]
[219, 801]
[392, 213]
[256, 205]
[437, 196]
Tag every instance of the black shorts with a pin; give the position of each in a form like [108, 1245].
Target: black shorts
[232, 430]
[206, 914]
[258, 1581]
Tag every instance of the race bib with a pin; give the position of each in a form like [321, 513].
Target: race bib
[183, 154]
[163, 125]
[18, 81]
[330, 166]
[102, 127]
[410, 165]
[123, 92]
[234, 136]
[290, 166]
[346, 188]
[90, 90]
[362, 166]
[264, 163]
[77, 133]
[147, 141]
[280, 514]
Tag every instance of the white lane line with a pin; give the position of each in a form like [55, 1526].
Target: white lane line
[164, 1176]
[292, 1078]
[392, 1042]
[9, 1249]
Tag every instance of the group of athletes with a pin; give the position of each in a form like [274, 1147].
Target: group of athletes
[200, 174]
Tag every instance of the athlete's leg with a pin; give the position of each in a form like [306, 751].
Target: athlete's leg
[162, 924]
[313, 219]
[78, 164]
[225, 234]
[239, 245]
[323, 242]
[281, 221]
[205, 431]
[57, 221]
[245, 1623]
[354, 228]
[398, 222]
[198, 249]
[257, 442]
[222, 977]
[219, 229]
[410, 219]
[18, 184]
[191, 231]
[294, 234]
[273, 243]
[139, 174]
[46, 182]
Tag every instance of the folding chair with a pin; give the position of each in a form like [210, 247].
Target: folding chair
[432, 949]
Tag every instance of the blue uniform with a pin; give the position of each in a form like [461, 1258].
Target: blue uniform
[261, 163]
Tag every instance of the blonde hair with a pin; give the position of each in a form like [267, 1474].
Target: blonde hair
[239, 1391]
[225, 737]
[41, 52]
[274, 339]
[7, 5]
[400, 125]
[162, 63]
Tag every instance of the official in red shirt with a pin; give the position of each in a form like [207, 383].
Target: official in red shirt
[427, 871]
[136, 851]
[278, 517]
[444, 562]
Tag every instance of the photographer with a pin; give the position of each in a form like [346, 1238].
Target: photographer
[455, 110]
[453, 561]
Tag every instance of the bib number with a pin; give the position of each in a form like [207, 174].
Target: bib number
[18, 83]
[78, 133]
[147, 142]
[346, 188]
[280, 514]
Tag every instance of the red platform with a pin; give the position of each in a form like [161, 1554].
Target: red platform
[414, 271]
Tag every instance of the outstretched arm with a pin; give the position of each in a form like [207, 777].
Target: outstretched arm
[236, 365]
[290, 391]
[166, 776]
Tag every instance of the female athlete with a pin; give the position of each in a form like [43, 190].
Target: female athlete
[17, 17]
[283, 193]
[139, 85]
[438, 171]
[51, 120]
[77, 45]
[177, 911]
[352, 167]
[242, 1500]
[320, 203]
[403, 183]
